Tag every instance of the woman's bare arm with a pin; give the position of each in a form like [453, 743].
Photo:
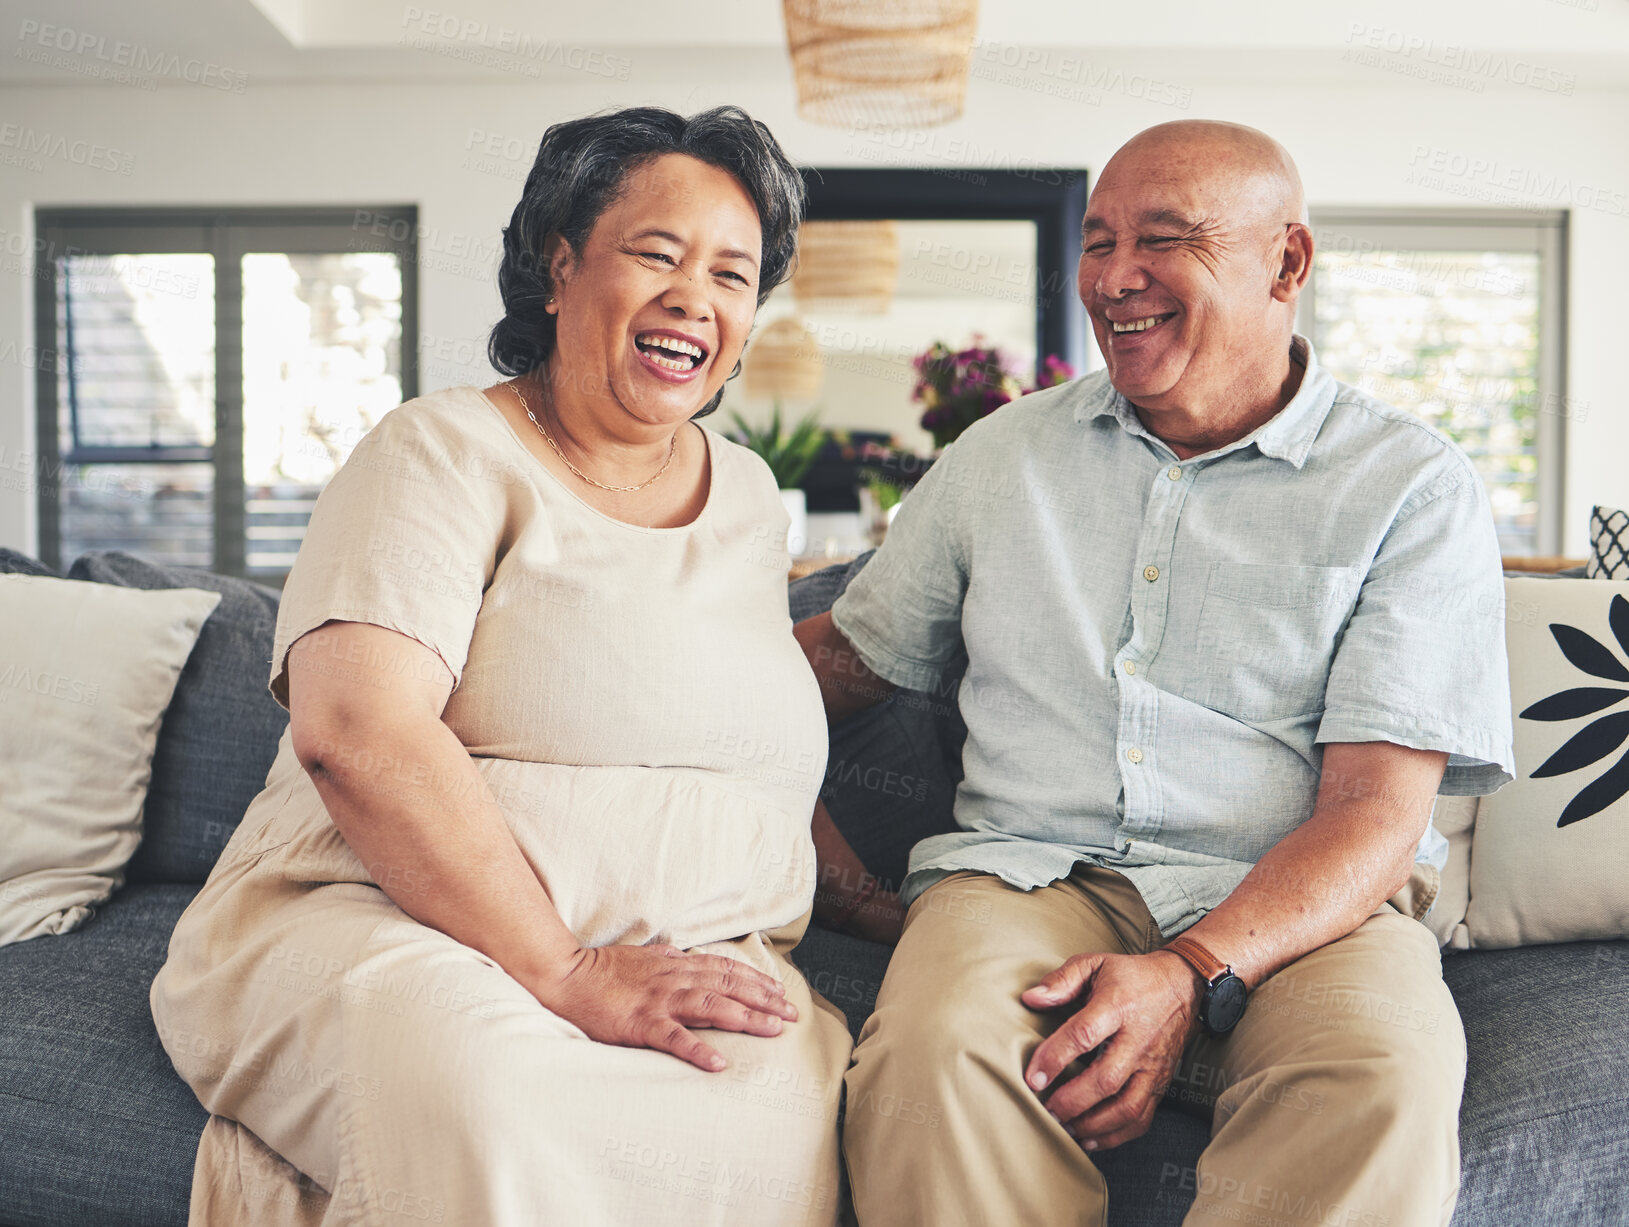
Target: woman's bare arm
[365, 708]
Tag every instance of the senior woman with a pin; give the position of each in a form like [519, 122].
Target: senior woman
[503, 941]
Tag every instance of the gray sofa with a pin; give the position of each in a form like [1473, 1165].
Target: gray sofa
[96, 1130]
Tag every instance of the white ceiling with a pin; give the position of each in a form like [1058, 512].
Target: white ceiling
[1210, 41]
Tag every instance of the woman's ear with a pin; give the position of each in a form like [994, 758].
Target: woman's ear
[560, 260]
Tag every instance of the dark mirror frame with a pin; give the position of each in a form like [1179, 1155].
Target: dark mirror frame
[1055, 200]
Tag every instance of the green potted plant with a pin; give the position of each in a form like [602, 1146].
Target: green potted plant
[789, 458]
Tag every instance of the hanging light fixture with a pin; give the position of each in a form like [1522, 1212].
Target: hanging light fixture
[895, 63]
[849, 266]
[783, 362]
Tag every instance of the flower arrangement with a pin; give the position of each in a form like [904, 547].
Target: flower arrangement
[958, 387]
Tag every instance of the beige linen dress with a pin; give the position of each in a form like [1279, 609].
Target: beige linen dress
[634, 700]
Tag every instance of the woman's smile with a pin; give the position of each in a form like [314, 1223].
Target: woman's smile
[674, 356]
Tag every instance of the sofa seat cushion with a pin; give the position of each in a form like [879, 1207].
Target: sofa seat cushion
[98, 1128]
[1544, 1129]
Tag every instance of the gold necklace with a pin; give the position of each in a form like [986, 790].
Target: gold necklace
[672, 447]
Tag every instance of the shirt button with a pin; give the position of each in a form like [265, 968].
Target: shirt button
[1131, 666]
[1134, 755]
[1151, 573]
[1174, 473]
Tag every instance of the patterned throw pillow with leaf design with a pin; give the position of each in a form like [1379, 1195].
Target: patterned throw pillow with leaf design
[1550, 854]
[1608, 544]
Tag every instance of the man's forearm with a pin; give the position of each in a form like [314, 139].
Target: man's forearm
[1328, 875]
[846, 685]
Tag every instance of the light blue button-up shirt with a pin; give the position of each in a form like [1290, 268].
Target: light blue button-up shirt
[1157, 649]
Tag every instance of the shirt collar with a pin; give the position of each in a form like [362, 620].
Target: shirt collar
[1288, 435]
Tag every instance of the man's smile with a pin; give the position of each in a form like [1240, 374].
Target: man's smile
[1136, 331]
[1140, 325]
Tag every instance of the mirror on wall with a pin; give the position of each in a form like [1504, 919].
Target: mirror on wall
[834, 340]
[891, 264]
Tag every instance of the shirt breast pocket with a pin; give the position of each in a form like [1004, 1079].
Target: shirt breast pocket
[1267, 635]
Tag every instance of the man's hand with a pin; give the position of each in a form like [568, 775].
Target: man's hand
[1142, 1009]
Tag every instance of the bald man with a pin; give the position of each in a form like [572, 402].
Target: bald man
[1229, 627]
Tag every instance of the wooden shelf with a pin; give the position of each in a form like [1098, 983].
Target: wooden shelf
[1541, 562]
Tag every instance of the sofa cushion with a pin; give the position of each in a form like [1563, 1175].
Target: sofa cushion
[1548, 855]
[14, 563]
[221, 731]
[1544, 1128]
[1455, 820]
[86, 674]
[818, 591]
[1608, 544]
[846, 971]
[98, 1128]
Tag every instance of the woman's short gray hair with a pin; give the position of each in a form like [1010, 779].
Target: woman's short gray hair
[583, 165]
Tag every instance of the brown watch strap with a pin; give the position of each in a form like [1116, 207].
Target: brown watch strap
[1196, 956]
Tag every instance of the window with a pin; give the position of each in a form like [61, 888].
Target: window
[214, 369]
[1457, 317]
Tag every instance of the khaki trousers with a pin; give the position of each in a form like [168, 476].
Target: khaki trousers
[1334, 1101]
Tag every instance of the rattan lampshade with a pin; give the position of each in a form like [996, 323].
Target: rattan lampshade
[783, 362]
[847, 266]
[897, 63]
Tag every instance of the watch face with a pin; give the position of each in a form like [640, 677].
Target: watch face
[1225, 1005]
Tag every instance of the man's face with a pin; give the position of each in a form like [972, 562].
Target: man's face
[1176, 271]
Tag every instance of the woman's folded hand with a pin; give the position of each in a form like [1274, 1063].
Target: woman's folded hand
[651, 997]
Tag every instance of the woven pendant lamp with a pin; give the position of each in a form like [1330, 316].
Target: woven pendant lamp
[894, 63]
[847, 266]
[783, 362]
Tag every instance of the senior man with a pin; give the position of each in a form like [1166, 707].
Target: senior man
[1229, 626]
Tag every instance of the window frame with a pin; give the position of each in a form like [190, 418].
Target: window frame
[1544, 232]
[227, 234]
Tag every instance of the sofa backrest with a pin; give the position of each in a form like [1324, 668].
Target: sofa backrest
[892, 774]
[890, 780]
[221, 731]
[892, 771]
[222, 727]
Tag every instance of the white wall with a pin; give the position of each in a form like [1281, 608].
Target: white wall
[400, 143]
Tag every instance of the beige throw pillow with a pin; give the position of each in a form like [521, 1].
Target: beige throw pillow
[1455, 820]
[1550, 855]
[86, 672]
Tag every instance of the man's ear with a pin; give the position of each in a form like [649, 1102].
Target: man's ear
[1294, 262]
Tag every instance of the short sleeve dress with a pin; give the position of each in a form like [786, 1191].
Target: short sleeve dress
[636, 704]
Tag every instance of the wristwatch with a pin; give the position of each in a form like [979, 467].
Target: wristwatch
[1223, 1003]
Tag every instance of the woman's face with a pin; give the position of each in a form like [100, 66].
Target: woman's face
[654, 311]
